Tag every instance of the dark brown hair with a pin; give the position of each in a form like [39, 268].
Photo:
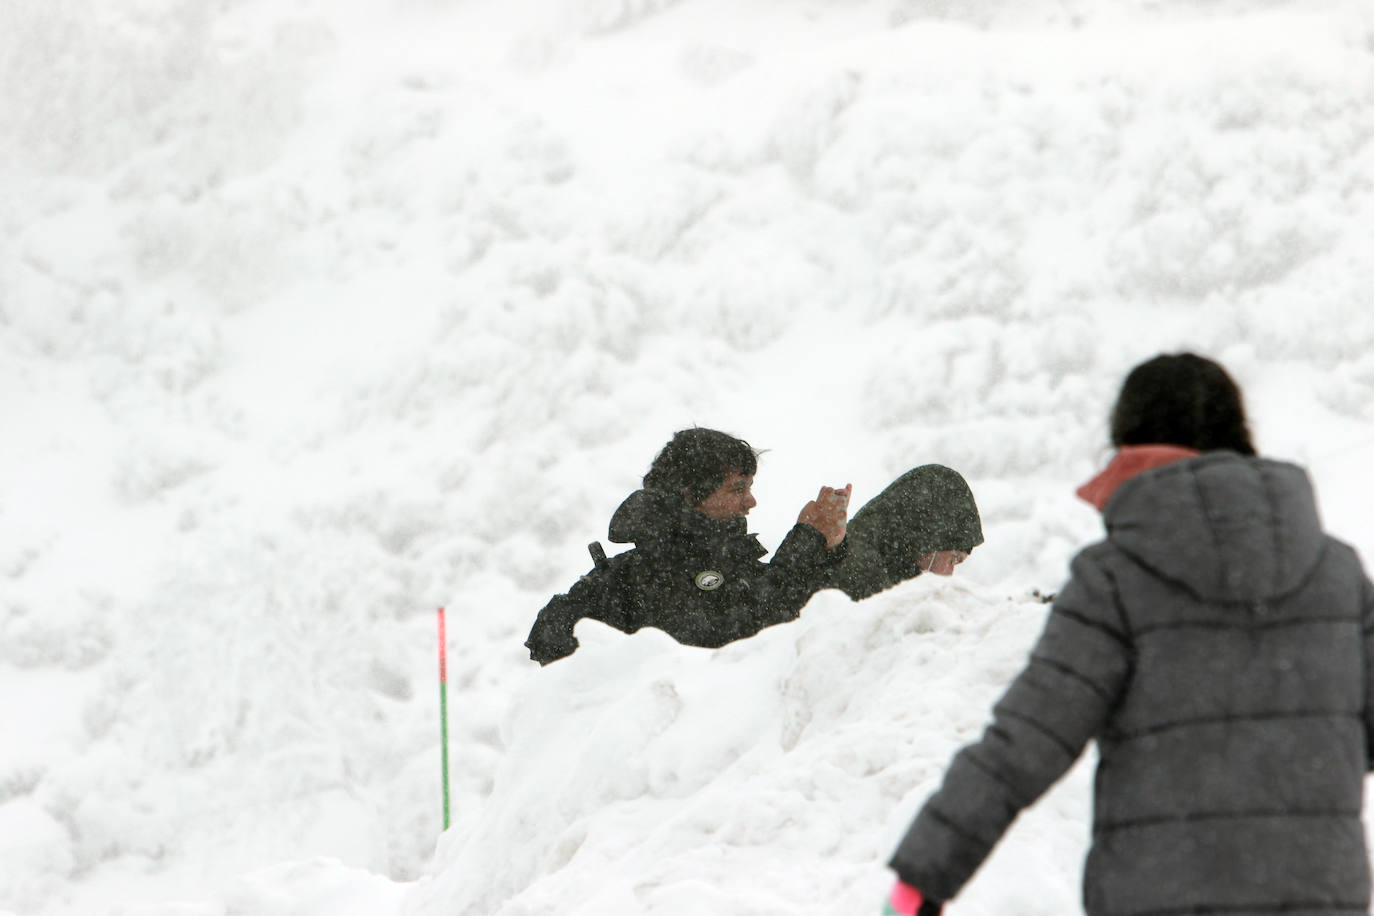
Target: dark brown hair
[697, 460]
[1181, 399]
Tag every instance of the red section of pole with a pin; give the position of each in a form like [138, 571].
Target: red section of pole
[443, 650]
[443, 709]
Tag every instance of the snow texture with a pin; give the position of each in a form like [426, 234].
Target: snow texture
[315, 317]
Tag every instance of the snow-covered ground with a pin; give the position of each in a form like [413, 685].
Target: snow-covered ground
[317, 316]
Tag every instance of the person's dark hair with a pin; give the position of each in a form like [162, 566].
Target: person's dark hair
[697, 460]
[1181, 399]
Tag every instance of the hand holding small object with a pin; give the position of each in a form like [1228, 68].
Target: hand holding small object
[828, 513]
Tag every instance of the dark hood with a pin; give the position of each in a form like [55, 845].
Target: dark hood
[928, 508]
[649, 517]
[1224, 526]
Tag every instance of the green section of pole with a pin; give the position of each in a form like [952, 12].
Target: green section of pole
[443, 709]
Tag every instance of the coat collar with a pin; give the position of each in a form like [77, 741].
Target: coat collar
[1129, 461]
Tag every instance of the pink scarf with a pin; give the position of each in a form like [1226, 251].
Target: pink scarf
[1129, 461]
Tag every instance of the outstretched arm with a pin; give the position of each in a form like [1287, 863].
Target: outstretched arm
[805, 561]
[594, 596]
[1059, 701]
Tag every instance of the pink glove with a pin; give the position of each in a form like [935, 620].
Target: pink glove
[906, 900]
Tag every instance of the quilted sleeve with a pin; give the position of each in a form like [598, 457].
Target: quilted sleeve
[1059, 701]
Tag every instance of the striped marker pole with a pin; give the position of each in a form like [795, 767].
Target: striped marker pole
[443, 709]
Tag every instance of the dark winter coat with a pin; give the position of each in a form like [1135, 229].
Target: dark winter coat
[1217, 646]
[700, 581]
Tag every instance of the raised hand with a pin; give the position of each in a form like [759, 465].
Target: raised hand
[828, 513]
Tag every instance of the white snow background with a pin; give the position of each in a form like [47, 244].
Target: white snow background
[317, 316]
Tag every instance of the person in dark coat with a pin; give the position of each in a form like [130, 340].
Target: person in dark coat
[695, 572]
[1217, 646]
[925, 521]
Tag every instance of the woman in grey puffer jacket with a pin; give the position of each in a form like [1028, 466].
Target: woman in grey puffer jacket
[1217, 645]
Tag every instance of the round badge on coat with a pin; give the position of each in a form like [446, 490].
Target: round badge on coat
[709, 580]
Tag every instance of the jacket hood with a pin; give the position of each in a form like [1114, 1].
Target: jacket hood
[928, 508]
[652, 516]
[1224, 526]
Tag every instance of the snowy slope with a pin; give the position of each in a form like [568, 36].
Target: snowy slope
[315, 317]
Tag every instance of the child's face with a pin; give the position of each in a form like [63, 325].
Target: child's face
[941, 562]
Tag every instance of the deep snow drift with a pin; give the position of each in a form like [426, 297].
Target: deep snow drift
[314, 319]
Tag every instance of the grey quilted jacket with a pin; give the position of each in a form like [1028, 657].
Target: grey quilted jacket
[1217, 647]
